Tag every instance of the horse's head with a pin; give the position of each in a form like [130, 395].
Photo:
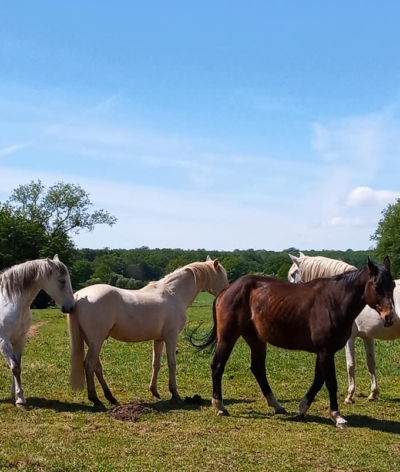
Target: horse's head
[294, 275]
[379, 290]
[218, 280]
[58, 285]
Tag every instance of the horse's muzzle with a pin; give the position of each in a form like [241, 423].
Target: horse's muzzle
[67, 308]
[388, 320]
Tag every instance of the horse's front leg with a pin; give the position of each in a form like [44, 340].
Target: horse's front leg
[327, 364]
[171, 342]
[316, 386]
[157, 352]
[351, 369]
[13, 359]
[369, 345]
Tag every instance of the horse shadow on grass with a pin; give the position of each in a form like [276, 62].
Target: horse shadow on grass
[52, 404]
[188, 403]
[355, 421]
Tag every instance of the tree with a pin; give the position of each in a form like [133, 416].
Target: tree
[20, 239]
[61, 209]
[387, 236]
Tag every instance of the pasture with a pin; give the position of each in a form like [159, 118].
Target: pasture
[61, 432]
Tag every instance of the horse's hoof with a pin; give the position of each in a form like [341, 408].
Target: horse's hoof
[372, 399]
[176, 399]
[344, 425]
[281, 411]
[223, 413]
[99, 407]
[22, 406]
[300, 417]
[348, 401]
[155, 393]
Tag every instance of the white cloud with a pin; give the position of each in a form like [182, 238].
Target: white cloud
[340, 221]
[366, 196]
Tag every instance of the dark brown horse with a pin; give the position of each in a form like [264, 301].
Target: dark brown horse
[316, 317]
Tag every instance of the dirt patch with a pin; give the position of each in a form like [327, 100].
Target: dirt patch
[129, 411]
[34, 329]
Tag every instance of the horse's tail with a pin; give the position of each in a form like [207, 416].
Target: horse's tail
[77, 351]
[209, 340]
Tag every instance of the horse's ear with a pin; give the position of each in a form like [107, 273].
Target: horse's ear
[208, 259]
[215, 263]
[295, 260]
[302, 254]
[55, 258]
[386, 263]
[373, 269]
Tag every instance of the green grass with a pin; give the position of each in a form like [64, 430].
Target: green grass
[60, 432]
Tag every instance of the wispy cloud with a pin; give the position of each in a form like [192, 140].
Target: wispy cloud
[8, 150]
[366, 196]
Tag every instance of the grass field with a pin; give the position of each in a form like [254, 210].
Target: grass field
[60, 431]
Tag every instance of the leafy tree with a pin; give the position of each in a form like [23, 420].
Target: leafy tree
[387, 236]
[61, 209]
[20, 239]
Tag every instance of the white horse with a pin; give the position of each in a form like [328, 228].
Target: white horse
[19, 285]
[157, 312]
[368, 325]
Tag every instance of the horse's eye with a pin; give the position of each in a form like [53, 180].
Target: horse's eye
[62, 281]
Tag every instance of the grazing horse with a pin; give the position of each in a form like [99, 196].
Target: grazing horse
[316, 317]
[19, 285]
[157, 311]
[367, 325]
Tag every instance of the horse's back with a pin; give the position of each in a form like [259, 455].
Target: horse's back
[281, 313]
[126, 315]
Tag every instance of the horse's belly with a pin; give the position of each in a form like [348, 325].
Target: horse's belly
[374, 328]
[135, 334]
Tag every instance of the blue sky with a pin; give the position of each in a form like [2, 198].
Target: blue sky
[219, 125]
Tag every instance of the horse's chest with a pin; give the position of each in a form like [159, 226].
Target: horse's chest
[16, 324]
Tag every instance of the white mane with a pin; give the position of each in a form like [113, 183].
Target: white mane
[203, 273]
[319, 266]
[21, 277]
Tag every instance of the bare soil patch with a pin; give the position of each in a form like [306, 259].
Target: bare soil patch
[34, 329]
[129, 412]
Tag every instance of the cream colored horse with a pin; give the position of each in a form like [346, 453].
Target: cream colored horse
[368, 325]
[157, 312]
[19, 285]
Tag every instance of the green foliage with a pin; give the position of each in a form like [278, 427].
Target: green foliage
[387, 236]
[20, 239]
[61, 209]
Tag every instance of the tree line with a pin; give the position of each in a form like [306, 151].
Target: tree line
[39, 222]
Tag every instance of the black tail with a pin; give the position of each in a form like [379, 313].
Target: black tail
[207, 341]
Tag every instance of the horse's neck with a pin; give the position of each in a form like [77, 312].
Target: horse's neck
[353, 301]
[30, 294]
[186, 288]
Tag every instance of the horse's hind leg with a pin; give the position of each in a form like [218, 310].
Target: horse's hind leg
[351, 369]
[157, 352]
[107, 392]
[369, 345]
[14, 362]
[221, 356]
[258, 357]
[90, 364]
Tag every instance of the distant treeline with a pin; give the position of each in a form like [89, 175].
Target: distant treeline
[134, 268]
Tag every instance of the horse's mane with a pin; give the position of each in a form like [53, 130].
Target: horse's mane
[21, 277]
[202, 271]
[319, 266]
